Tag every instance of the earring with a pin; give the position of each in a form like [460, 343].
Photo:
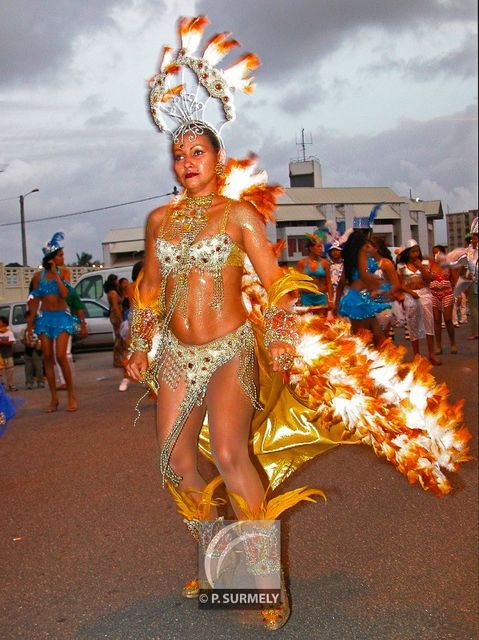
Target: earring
[220, 169]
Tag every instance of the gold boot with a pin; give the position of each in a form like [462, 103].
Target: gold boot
[274, 619]
[194, 514]
[263, 553]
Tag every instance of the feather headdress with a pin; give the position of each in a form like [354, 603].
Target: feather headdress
[179, 108]
[55, 243]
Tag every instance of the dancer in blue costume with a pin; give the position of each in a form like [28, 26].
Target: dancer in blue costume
[53, 322]
[360, 303]
[317, 268]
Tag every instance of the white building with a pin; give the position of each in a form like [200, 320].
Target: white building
[306, 205]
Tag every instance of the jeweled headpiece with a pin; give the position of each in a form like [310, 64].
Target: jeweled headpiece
[184, 108]
[54, 244]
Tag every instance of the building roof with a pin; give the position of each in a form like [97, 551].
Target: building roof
[432, 208]
[336, 195]
[124, 235]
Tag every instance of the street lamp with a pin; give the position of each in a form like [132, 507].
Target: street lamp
[22, 225]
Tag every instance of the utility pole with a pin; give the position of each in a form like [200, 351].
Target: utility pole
[22, 226]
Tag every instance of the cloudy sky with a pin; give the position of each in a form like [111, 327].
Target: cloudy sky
[386, 88]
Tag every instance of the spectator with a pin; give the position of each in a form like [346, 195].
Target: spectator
[442, 298]
[7, 340]
[111, 288]
[33, 357]
[415, 276]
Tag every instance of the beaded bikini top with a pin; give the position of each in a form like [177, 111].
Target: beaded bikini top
[208, 255]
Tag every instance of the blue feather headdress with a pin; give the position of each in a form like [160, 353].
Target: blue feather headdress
[54, 244]
[366, 222]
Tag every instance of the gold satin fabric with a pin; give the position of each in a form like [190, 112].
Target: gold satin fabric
[286, 433]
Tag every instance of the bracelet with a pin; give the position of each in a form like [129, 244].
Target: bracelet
[280, 326]
[144, 323]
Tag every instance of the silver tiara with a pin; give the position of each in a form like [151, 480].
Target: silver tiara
[184, 108]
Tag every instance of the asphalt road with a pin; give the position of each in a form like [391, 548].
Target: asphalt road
[92, 547]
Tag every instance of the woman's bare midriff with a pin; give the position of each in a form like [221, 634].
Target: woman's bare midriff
[415, 283]
[53, 302]
[198, 322]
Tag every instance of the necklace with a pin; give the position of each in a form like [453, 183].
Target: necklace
[190, 216]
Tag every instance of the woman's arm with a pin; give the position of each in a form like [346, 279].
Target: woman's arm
[115, 307]
[143, 299]
[369, 280]
[392, 276]
[149, 285]
[280, 334]
[329, 284]
[62, 287]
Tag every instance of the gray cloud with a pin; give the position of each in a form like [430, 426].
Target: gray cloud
[37, 37]
[460, 61]
[289, 35]
[111, 118]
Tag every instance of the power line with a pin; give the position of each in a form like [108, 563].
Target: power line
[77, 213]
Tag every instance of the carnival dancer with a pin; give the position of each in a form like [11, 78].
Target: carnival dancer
[387, 273]
[212, 333]
[318, 268]
[441, 286]
[415, 276]
[336, 268]
[359, 304]
[53, 323]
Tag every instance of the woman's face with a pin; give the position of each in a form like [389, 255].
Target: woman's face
[413, 253]
[194, 165]
[59, 258]
[316, 249]
[335, 255]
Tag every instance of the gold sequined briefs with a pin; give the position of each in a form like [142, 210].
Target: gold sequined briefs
[195, 364]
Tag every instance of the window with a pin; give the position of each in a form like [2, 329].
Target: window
[94, 310]
[303, 246]
[18, 315]
[292, 246]
[91, 287]
[5, 312]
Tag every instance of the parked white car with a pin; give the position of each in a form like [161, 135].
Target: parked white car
[15, 313]
[100, 332]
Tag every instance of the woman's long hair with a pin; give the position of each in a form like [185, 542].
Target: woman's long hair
[111, 283]
[382, 248]
[47, 258]
[351, 249]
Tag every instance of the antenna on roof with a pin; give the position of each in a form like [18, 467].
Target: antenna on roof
[303, 144]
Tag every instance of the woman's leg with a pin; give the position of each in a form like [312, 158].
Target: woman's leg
[447, 312]
[61, 346]
[184, 456]
[437, 328]
[49, 363]
[230, 412]
[411, 312]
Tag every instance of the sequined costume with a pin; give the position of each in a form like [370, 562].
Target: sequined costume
[307, 298]
[360, 305]
[53, 323]
[195, 363]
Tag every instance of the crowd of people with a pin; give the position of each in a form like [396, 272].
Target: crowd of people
[360, 279]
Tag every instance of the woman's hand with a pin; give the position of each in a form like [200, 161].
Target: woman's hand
[137, 366]
[282, 356]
